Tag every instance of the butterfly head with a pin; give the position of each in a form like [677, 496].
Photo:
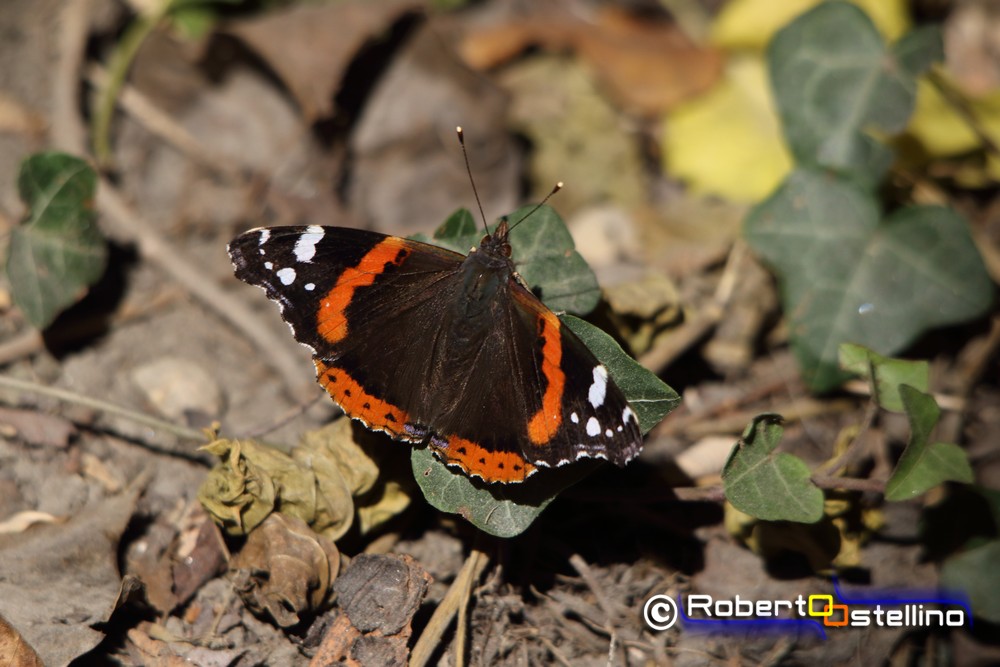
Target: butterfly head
[497, 243]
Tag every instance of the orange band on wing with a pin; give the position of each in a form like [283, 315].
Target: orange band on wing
[546, 421]
[492, 466]
[358, 403]
[332, 315]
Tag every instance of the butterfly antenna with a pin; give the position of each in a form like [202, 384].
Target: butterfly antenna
[468, 169]
[557, 188]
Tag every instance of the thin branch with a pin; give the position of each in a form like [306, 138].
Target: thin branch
[157, 250]
[962, 107]
[67, 132]
[429, 640]
[103, 406]
[850, 454]
[594, 585]
[164, 126]
[710, 494]
[22, 345]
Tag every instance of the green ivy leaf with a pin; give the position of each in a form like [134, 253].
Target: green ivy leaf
[884, 375]
[835, 82]
[543, 252]
[846, 276]
[924, 465]
[57, 252]
[768, 485]
[975, 572]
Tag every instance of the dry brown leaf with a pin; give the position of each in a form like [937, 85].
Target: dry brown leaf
[21, 521]
[284, 570]
[310, 46]
[56, 607]
[200, 555]
[649, 67]
[14, 651]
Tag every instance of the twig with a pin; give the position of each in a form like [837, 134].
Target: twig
[588, 577]
[154, 248]
[27, 342]
[449, 606]
[462, 627]
[797, 410]
[164, 126]
[711, 494]
[961, 106]
[948, 402]
[67, 130]
[693, 330]
[103, 406]
[68, 134]
[554, 651]
[850, 454]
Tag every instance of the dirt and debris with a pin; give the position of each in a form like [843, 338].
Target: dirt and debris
[246, 114]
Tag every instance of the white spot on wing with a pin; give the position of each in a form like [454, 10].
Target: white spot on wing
[593, 427]
[286, 275]
[574, 418]
[627, 414]
[265, 234]
[608, 433]
[305, 245]
[600, 387]
[310, 286]
[268, 266]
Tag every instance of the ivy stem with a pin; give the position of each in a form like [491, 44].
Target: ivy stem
[848, 483]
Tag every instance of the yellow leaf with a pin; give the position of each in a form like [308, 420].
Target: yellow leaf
[750, 24]
[728, 142]
[943, 131]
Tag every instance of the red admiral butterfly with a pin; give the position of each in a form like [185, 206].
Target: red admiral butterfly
[435, 347]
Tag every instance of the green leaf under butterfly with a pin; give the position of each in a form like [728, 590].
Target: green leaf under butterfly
[769, 485]
[923, 464]
[503, 510]
[57, 252]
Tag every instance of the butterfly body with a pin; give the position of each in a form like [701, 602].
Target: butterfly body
[435, 347]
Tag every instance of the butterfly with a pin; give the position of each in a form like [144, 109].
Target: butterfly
[441, 349]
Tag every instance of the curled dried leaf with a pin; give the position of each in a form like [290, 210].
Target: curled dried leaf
[285, 570]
